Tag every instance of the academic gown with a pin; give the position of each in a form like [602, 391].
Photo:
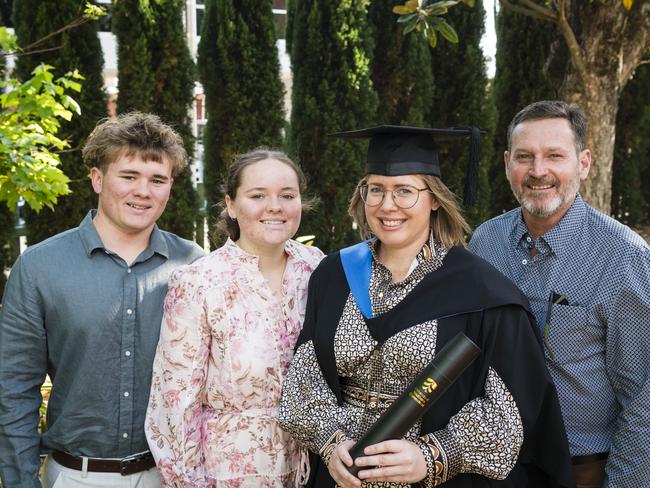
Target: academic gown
[467, 295]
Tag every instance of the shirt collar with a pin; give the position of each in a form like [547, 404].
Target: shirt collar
[431, 249]
[248, 258]
[91, 240]
[560, 236]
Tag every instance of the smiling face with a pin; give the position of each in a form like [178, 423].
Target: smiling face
[544, 168]
[400, 229]
[132, 195]
[267, 206]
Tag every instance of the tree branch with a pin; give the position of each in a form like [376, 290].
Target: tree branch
[71, 25]
[38, 51]
[638, 28]
[531, 10]
[575, 51]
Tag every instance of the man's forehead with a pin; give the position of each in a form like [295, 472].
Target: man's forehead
[549, 132]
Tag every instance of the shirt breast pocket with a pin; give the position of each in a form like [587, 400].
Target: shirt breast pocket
[567, 338]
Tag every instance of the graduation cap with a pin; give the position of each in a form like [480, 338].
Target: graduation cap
[396, 150]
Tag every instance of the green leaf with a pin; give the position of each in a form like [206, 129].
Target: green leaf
[445, 4]
[448, 32]
[406, 18]
[410, 26]
[403, 10]
[432, 11]
[433, 39]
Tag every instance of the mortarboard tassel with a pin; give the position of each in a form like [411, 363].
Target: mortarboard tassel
[471, 178]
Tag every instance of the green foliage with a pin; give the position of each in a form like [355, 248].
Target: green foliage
[460, 100]
[332, 91]
[65, 49]
[522, 47]
[156, 75]
[239, 70]
[426, 18]
[400, 70]
[30, 119]
[630, 199]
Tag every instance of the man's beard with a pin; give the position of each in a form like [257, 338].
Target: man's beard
[544, 207]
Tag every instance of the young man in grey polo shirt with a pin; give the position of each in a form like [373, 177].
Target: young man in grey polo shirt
[85, 307]
[588, 281]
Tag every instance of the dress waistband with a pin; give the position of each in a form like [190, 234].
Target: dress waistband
[363, 398]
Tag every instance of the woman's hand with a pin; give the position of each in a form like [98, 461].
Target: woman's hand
[338, 463]
[397, 461]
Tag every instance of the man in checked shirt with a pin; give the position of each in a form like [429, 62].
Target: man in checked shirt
[588, 281]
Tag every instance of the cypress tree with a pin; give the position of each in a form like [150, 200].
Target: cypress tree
[332, 91]
[399, 69]
[78, 48]
[156, 74]
[630, 200]
[460, 99]
[523, 44]
[239, 69]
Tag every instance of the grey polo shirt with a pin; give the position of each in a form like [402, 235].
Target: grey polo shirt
[78, 312]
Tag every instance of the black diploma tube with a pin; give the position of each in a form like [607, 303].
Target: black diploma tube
[411, 405]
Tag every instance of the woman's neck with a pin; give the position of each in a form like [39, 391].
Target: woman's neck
[399, 260]
[272, 261]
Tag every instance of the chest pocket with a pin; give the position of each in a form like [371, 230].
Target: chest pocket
[569, 338]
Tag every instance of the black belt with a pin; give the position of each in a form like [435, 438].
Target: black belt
[589, 458]
[126, 466]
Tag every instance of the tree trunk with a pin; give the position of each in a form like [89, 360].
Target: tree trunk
[598, 98]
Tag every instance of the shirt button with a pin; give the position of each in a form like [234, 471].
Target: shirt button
[125, 435]
[528, 238]
[127, 353]
[524, 261]
[128, 270]
[129, 311]
[126, 393]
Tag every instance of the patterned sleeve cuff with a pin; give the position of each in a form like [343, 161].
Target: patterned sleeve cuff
[443, 456]
[330, 446]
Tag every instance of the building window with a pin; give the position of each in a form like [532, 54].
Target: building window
[200, 13]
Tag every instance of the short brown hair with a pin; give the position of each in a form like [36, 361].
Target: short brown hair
[227, 227]
[447, 223]
[554, 109]
[134, 134]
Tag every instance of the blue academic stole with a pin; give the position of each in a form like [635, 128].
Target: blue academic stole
[357, 266]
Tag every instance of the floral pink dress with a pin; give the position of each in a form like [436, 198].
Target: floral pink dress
[226, 342]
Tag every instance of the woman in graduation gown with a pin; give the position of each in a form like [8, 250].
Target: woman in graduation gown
[499, 425]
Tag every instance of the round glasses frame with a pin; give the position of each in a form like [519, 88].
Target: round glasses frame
[363, 192]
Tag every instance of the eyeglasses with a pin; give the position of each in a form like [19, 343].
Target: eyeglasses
[404, 196]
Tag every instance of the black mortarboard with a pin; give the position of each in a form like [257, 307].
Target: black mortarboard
[396, 150]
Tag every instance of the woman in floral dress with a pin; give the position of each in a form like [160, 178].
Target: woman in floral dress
[230, 324]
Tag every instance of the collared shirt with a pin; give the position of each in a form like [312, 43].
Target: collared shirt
[76, 311]
[596, 330]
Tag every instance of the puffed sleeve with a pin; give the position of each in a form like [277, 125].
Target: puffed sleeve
[175, 412]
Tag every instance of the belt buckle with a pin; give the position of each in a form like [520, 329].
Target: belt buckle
[128, 462]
